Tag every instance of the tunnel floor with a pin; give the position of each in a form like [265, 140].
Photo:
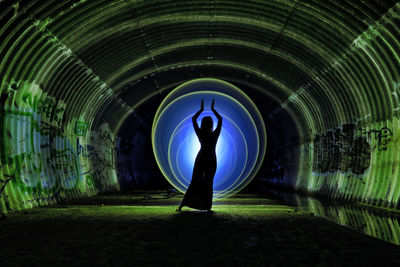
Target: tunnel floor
[143, 229]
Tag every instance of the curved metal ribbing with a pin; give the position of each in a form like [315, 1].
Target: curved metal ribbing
[72, 71]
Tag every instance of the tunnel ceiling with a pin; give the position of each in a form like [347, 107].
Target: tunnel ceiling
[324, 62]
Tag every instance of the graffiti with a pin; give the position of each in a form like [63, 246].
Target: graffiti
[345, 147]
[30, 168]
[384, 136]
[361, 156]
[46, 108]
[63, 161]
[89, 179]
[341, 151]
[4, 183]
[40, 199]
[102, 157]
[47, 157]
[51, 113]
[84, 150]
[37, 149]
[81, 128]
[18, 127]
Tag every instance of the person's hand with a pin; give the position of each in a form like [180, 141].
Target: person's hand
[212, 105]
[202, 105]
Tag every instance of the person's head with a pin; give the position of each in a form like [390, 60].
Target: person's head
[207, 124]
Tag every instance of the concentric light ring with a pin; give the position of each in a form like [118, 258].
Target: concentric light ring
[240, 148]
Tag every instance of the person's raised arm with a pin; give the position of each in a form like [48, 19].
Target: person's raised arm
[219, 125]
[194, 118]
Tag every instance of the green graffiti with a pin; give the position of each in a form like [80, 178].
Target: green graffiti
[37, 153]
[81, 128]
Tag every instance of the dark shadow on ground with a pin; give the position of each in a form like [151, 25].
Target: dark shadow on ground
[247, 234]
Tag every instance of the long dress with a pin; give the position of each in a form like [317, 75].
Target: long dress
[200, 191]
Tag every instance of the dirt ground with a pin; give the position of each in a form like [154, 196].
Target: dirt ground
[143, 229]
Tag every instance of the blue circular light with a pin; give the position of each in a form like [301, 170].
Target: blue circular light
[241, 145]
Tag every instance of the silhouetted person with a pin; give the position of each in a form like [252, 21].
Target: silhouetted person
[200, 191]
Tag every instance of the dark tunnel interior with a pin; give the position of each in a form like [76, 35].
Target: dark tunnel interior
[137, 167]
[82, 82]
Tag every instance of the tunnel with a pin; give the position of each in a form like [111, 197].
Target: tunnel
[81, 83]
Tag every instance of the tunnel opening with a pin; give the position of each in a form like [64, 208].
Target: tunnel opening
[81, 82]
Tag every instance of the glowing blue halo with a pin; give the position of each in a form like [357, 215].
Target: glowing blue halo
[240, 148]
[184, 146]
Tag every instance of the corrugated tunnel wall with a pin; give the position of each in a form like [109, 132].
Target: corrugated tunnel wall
[324, 74]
